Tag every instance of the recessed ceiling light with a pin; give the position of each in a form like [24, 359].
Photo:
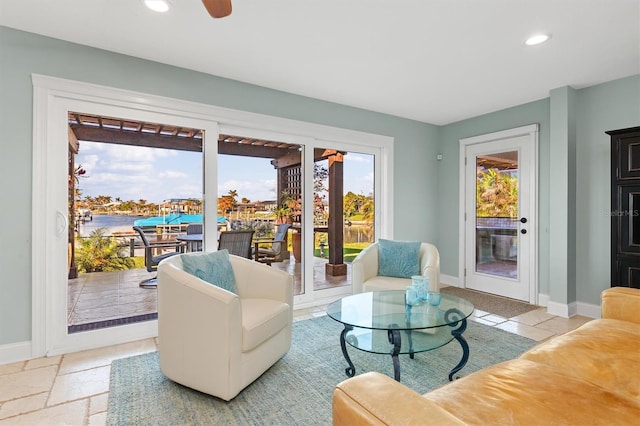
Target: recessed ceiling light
[537, 39]
[157, 5]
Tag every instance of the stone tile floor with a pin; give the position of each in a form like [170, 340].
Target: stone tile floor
[73, 389]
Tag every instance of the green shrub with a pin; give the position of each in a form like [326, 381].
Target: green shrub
[100, 253]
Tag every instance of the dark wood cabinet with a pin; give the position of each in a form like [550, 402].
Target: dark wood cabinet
[625, 207]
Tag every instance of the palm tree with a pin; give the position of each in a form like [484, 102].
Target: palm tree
[496, 194]
[99, 253]
[225, 204]
[233, 194]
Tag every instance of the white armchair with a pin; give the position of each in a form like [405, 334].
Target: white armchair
[218, 342]
[364, 271]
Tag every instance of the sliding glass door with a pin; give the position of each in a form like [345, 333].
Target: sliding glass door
[312, 209]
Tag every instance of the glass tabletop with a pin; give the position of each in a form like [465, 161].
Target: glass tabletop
[368, 317]
[380, 309]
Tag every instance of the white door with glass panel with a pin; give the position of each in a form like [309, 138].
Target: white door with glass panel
[499, 224]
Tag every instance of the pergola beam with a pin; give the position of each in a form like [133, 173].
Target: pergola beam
[128, 137]
[260, 151]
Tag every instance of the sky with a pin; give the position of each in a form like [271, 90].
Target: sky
[134, 173]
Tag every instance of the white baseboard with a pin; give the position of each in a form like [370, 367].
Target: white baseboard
[563, 310]
[568, 310]
[543, 299]
[449, 280]
[589, 310]
[15, 352]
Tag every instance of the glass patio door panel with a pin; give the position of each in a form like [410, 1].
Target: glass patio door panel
[292, 193]
[343, 213]
[54, 334]
[121, 176]
[497, 180]
[497, 214]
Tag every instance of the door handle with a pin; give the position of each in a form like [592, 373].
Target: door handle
[61, 223]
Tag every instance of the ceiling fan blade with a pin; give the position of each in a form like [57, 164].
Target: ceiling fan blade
[218, 8]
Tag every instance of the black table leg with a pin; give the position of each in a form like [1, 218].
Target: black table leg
[393, 335]
[408, 317]
[351, 370]
[457, 334]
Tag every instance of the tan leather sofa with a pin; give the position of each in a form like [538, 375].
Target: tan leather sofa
[364, 271]
[590, 376]
[218, 342]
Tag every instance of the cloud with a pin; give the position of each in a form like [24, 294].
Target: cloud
[172, 174]
[88, 162]
[117, 178]
[186, 190]
[139, 167]
[261, 190]
[125, 152]
[358, 158]
[360, 184]
[133, 173]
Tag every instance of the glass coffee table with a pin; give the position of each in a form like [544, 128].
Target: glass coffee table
[381, 322]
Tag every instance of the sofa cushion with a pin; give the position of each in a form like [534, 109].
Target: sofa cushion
[380, 283]
[355, 403]
[523, 392]
[399, 259]
[212, 267]
[604, 352]
[261, 319]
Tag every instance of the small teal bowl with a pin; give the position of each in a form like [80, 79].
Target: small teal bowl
[434, 298]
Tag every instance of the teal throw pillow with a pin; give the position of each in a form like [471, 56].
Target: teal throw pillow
[398, 258]
[213, 267]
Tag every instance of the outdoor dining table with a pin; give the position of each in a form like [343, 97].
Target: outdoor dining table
[194, 241]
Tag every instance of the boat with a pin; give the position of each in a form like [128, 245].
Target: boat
[174, 219]
[170, 219]
[83, 215]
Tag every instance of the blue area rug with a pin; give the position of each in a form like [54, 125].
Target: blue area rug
[297, 389]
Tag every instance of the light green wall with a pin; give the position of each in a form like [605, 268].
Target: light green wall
[21, 54]
[610, 106]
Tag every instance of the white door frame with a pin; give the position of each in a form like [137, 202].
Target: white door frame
[52, 98]
[532, 132]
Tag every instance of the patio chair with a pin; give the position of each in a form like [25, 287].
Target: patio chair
[275, 251]
[236, 242]
[151, 261]
[194, 229]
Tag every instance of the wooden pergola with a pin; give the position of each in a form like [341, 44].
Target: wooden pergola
[501, 161]
[286, 159]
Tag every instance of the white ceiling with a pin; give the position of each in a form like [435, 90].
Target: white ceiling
[436, 61]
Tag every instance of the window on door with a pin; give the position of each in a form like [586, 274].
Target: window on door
[497, 214]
